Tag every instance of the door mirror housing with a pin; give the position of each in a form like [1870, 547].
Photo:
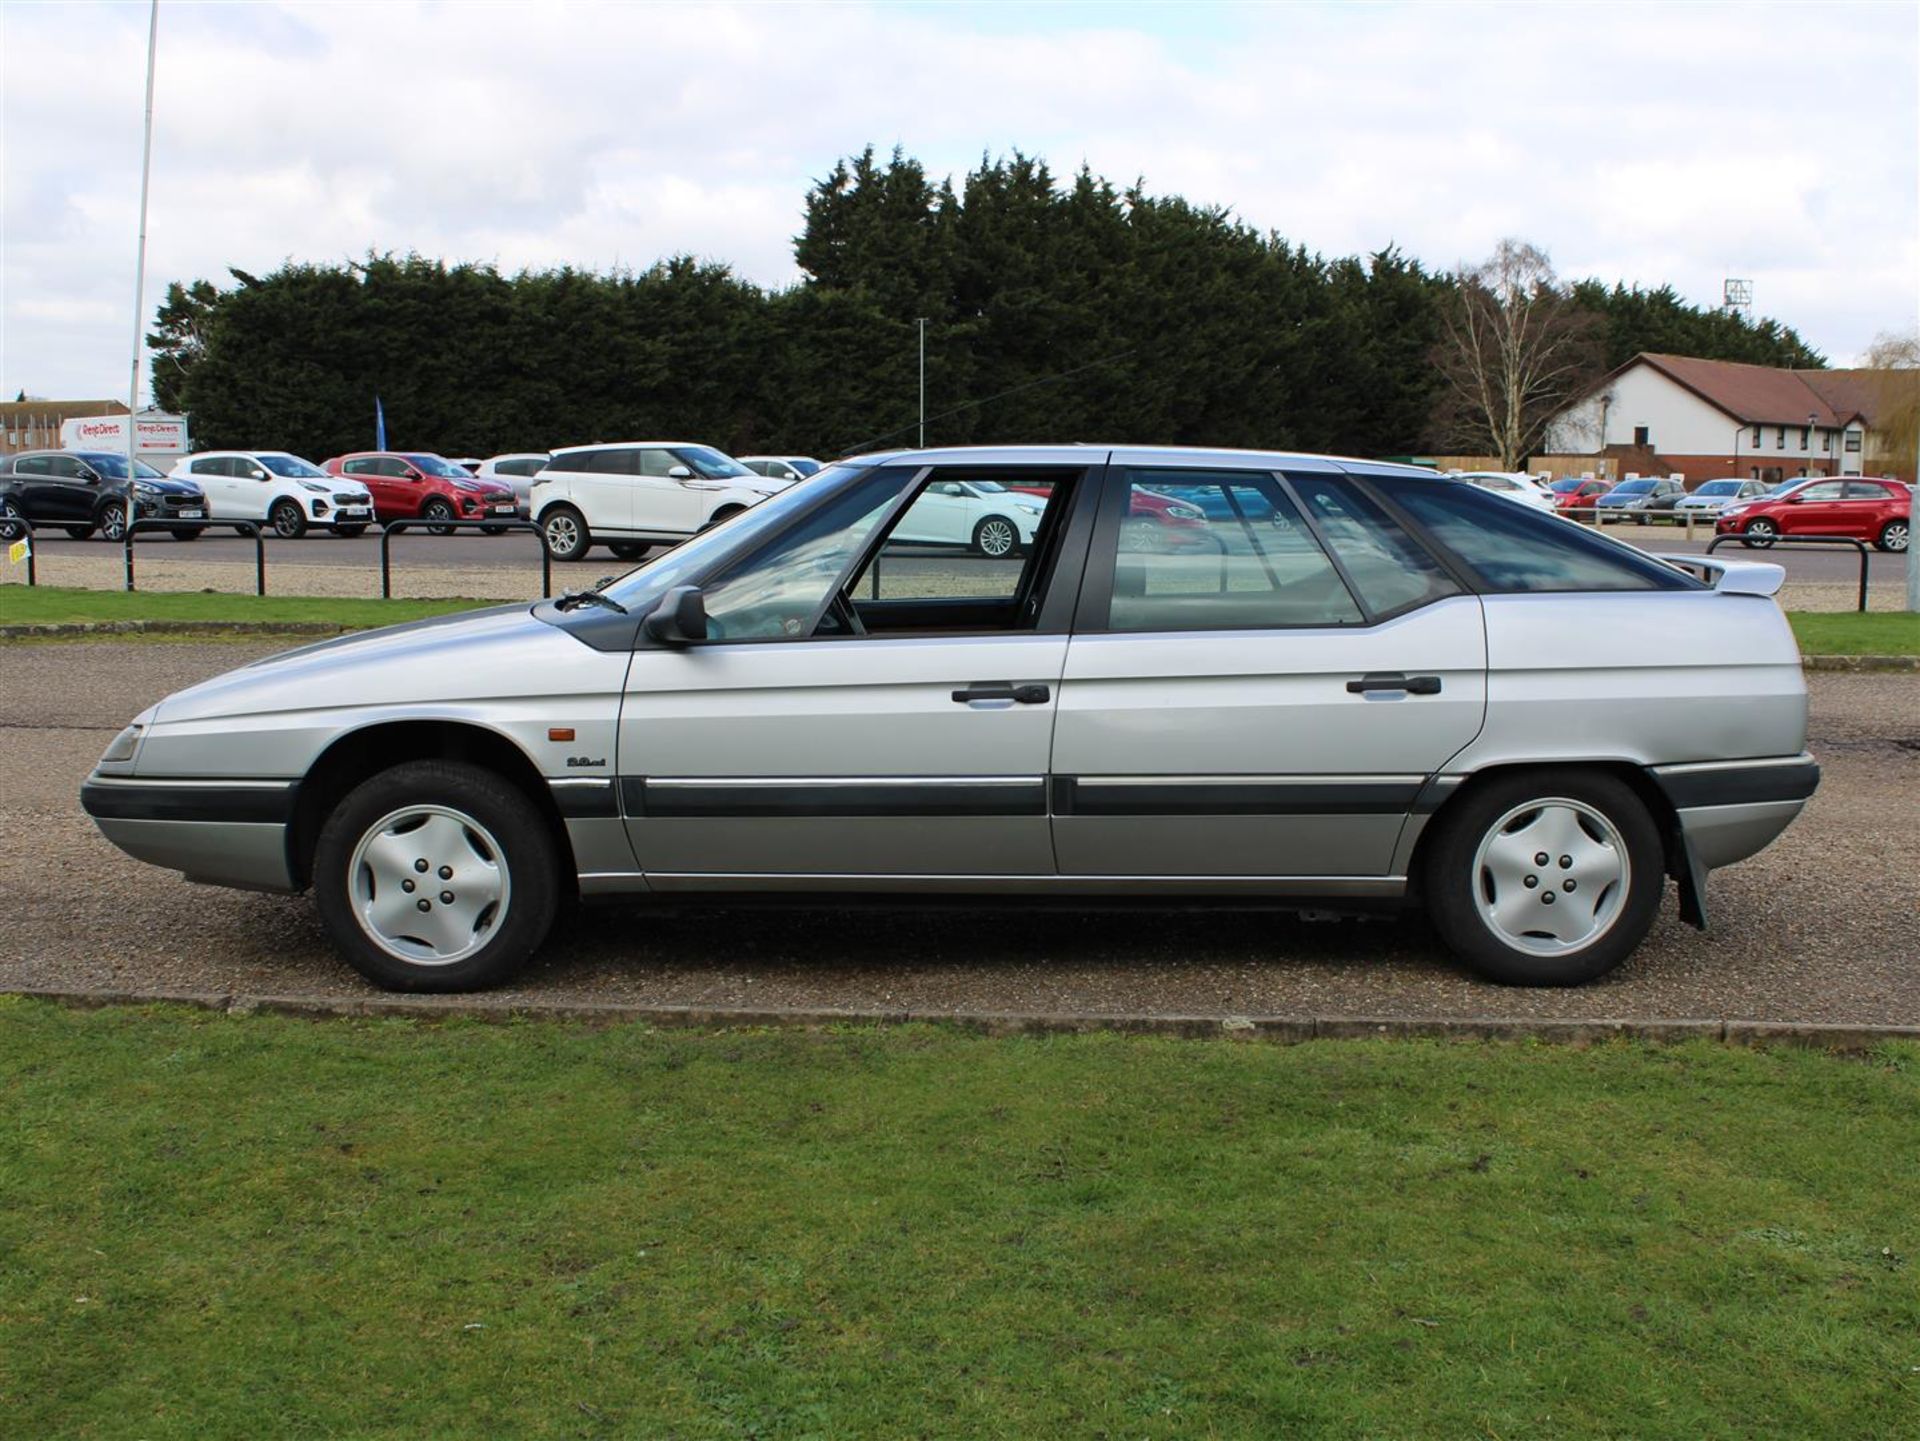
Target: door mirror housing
[679, 472]
[680, 618]
[256, 473]
[413, 474]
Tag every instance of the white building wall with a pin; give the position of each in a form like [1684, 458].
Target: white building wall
[1680, 423]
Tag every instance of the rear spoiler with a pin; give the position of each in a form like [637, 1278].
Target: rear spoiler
[1733, 577]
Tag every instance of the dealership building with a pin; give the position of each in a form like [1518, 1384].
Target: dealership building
[1705, 419]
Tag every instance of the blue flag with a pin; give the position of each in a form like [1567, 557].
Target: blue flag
[379, 425]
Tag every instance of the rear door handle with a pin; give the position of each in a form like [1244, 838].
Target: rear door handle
[1395, 680]
[1003, 690]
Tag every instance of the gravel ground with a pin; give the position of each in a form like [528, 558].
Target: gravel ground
[1822, 927]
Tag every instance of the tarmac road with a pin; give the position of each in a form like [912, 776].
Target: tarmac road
[1820, 928]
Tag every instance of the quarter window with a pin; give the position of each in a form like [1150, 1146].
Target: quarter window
[1510, 548]
[1867, 490]
[1220, 550]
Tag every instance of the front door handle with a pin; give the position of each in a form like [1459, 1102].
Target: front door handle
[1395, 680]
[1003, 690]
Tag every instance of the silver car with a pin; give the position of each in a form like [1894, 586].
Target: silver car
[1316, 683]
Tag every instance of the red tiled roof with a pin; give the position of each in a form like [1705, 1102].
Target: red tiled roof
[1767, 395]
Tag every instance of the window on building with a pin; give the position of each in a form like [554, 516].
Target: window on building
[1756, 437]
[1853, 440]
[1806, 437]
[1640, 435]
[1781, 442]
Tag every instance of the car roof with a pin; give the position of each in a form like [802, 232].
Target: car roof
[1139, 455]
[628, 445]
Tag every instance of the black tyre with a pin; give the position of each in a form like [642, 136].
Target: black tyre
[1759, 534]
[1545, 878]
[565, 531]
[12, 523]
[437, 513]
[996, 537]
[349, 531]
[436, 876]
[1895, 535]
[1139, 533]
[112, 521]
[79, 532]
[722, 516]
[289, 522]
[192, 532]
[629, 549]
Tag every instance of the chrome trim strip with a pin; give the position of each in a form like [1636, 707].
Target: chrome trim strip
[717, 782]
[1303, 778]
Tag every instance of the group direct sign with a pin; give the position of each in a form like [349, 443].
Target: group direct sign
[158, 435]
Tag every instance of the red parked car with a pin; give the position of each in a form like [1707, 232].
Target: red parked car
[1877, 511]
[1575, 498]
[419, 485]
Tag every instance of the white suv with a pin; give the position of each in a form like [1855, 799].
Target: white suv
[282, 490]
[639, 494]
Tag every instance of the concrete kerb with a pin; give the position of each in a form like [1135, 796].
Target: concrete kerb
[1277, 1029]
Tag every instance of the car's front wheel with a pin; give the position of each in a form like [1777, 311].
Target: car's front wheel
[436, 513]
[1894, 535]
[436, 876]
[349, 531]
[995, 537]
[288, 520]
[565, 531]
[1759, 534]
[12, 523]
[113, 521]
[1546, 878]
[191, 532]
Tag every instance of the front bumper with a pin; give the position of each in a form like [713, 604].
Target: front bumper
[219, 832]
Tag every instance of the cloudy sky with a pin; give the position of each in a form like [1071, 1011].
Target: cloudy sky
[1678, 143]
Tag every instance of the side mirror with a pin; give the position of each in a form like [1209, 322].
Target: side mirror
[414, 475]
[679, 472]
[680, 618]
[256, 474]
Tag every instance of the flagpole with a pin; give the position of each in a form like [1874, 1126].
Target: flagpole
[140, 291]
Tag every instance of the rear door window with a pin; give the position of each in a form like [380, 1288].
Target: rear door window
[1217, 550]
[1384, 566]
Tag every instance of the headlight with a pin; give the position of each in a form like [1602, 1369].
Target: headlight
[316, 489]
[123, 746]
[141, 487]
[1185, 512]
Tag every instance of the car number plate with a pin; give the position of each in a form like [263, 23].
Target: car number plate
[503, 509]
[192, 514]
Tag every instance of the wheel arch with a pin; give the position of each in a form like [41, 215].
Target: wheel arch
[361, 754]
[1636, 777]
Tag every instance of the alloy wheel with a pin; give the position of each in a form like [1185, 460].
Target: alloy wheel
[995, 537]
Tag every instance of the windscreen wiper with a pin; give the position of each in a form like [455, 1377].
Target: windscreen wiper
[590, 596]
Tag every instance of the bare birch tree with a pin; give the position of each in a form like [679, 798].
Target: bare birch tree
[1515, 349]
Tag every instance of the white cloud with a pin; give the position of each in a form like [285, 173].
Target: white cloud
[1652, 144]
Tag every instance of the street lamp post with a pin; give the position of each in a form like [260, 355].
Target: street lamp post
[131, 505]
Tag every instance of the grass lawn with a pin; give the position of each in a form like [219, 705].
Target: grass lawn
[66, 605]
[253, 1226]
[1849, 633]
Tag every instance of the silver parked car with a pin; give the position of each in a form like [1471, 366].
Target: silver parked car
[1326, 683]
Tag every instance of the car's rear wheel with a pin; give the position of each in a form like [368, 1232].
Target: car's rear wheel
[79, 532]
[289, 522]
[437, 513]
[1759, 534]
[1894, 535]
[565, 531]
[995, 537]
[436, 876]
[629, 549]
[1546, 878]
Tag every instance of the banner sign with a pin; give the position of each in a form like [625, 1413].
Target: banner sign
[167, 434]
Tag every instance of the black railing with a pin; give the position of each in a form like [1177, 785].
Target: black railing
[244, 527]
[1830, 541]
[448, 527]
